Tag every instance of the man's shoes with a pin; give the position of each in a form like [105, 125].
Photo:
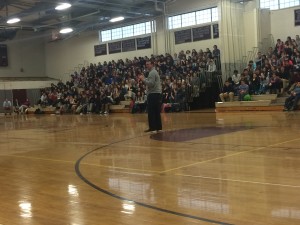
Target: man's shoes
[149, 130]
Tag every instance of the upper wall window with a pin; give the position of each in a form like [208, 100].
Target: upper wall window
[106, 35]
[214, 14]
[175, 22]
[193, 18]
[188, 19]
[139, 29]
[278, 4]
[127, 31]
[116, 33]
[204, 16]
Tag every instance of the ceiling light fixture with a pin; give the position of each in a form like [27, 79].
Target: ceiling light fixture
[116, 19]
[63, 6]
[66, 30]
[13, 20]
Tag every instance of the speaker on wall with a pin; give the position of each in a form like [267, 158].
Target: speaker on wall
[3, 55]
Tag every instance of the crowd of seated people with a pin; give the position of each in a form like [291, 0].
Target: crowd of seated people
[97, 86]
[273, 72]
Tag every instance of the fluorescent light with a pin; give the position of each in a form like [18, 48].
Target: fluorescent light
[13, 20]
[66, 30]
[63, 6]
[116, 19]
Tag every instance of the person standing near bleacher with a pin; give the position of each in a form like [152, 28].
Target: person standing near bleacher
[154, 90]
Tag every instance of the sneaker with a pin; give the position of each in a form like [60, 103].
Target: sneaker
[146, 131]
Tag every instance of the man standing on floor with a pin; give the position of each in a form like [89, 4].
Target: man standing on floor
[154, 89]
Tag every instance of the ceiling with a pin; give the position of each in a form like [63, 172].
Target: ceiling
[84, 15]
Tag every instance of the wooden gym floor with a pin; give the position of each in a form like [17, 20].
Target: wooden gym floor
[205, 168]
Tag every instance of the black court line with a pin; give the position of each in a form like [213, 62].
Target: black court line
[79, 174]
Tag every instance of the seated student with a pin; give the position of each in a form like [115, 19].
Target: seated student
[7, 106]
[227, 92]
[211, 66]
[16, 106]
[73, 103]
[180, 98]
[243, 90]
[255, 83]
[83, 104]
[43, 100]
[106, 100]
[139, 103]
[292, 101]
[275, 83]
[236, 78]
[24, 106]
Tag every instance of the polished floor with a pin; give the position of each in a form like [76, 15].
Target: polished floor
[205, 168]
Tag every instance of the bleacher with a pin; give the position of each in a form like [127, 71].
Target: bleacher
[123, 107]
[266, 102]
[41, 110]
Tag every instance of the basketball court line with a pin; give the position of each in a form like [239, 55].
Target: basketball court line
[86, 164]
[241, 181]
[230, 155]
[88, 182]
[149, 171]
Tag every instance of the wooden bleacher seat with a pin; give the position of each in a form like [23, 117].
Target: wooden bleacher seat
[45, 110]
[123, 107]
[260, 97]
[265, 102]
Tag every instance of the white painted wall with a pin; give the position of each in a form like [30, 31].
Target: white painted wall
[64, 57]
[25, 52]
[180, 7]
[9, 85]
[282, 23]
[193, 45]
[250, 30]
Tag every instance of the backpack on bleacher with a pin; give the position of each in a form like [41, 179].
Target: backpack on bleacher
[247, 97]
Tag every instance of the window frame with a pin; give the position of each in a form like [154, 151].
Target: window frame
[278, 4]
[176, 21]
[149, 27]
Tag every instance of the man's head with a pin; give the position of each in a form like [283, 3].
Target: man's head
[149, 65]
